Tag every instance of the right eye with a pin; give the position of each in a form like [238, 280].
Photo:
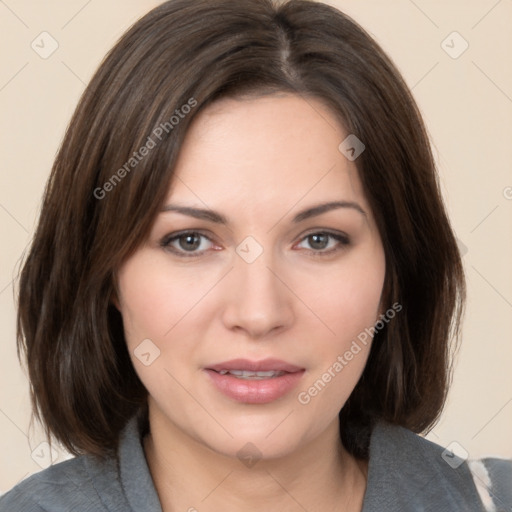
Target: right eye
[186, 243]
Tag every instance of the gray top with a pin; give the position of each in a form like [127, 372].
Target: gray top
[406, 473]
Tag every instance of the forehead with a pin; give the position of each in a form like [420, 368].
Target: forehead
[278, 147]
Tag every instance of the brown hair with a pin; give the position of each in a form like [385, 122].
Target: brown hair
[83, 385]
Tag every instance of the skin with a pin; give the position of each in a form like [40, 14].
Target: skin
[258, 162]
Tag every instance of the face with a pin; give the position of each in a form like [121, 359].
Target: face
[258, 271]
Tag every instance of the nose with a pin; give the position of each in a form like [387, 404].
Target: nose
[258, 301]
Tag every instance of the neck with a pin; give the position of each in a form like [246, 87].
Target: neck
[189, 475]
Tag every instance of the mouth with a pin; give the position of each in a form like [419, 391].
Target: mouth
[248, 366]
[254, 382]
[248, 375]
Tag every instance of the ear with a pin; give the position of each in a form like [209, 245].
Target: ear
[384, 299]
[380, 315]
[114, 296]
[115, 301]
[381, 309]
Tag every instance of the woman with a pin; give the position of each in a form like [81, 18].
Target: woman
[243, 284]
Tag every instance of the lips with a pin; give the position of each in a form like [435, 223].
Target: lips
[254, 382]
[265, 365]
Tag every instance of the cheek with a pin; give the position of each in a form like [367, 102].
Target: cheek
[160, 304]
[347, 300]
[347, 297]
[146, 302]
[349, 308]
[153, 297]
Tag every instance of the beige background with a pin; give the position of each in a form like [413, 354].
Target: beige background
[467, 103]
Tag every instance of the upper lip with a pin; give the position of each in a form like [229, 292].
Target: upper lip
[255, 366]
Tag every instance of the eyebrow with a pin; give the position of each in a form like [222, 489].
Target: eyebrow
[218, 218]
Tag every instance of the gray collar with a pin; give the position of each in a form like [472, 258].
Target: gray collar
[408, 473]
[136, 479]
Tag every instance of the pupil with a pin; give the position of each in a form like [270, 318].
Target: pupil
[189, 242]
[318, 241]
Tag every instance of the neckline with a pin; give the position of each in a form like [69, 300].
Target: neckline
[405, 471]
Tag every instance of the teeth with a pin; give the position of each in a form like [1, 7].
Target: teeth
[245, 374]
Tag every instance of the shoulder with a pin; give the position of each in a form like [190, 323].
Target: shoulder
[70, 485]
[409, 472]
[115, 483]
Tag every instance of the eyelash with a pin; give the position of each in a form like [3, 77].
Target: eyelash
[165, 243]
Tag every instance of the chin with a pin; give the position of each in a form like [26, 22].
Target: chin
[268, 438]
[253, 447]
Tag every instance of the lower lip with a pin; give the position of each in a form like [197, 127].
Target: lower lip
[255, 391]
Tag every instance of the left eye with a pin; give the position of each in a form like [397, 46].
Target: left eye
[322, 242]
